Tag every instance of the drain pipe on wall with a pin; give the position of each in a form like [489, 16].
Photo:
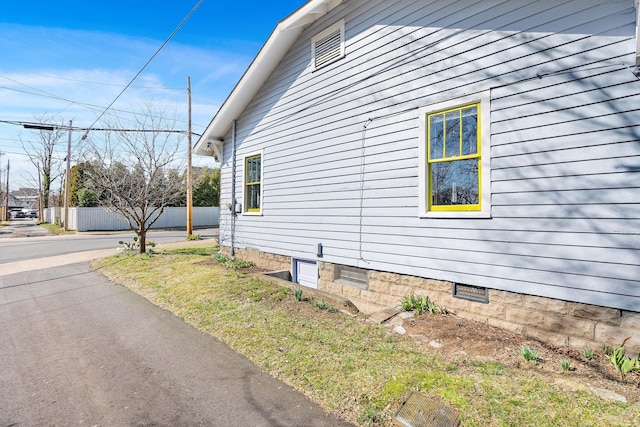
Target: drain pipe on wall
[233, 188]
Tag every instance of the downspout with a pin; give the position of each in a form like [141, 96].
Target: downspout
[233, 187]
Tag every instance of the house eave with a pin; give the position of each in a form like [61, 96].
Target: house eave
[271, 53]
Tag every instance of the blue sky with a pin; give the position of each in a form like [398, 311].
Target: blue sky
[70, 59]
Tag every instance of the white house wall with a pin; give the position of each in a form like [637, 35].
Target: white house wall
[565, 146]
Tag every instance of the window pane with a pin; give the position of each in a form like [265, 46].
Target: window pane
[455, 183]
[253, 169]
[469, 131]
[253, 201]
[436, 136]
[452, 123]
[257, 162]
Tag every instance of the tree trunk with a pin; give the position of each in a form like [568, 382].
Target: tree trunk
[142, 239]
[46, 186]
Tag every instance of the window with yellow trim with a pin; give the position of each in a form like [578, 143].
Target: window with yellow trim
[252, 183]
[454, 160]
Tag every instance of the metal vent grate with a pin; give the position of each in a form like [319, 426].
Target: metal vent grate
[419, 411]
[471, 293]
[328, 46]
[328, 49]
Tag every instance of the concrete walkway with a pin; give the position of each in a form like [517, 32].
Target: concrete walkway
[23, 227]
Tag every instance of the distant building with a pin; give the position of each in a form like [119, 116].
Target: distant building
[24, 198]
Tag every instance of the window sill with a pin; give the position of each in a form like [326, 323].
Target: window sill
[251, 213]
[457, 214]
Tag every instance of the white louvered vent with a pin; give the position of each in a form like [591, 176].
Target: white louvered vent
[328, 46]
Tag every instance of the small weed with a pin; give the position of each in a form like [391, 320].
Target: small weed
[220, 258]
[232, 263]
[298, 294]
[135, 245]
[587, 353]
[566, 365]
[323, 305]
[194, 237]
[529, 354]
[371, 415]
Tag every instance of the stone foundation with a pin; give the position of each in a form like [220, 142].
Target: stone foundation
[271, 262]
[555, 321]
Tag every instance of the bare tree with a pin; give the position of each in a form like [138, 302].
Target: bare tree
[134, 169]
[42, 151]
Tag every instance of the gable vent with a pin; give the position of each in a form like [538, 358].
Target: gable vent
[328, 46]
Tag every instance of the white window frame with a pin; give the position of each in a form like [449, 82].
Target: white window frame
[245, 208]
[338, 25]
[484, 98]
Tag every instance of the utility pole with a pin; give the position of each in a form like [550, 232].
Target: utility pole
[6, 211]
[189, 173]
[40, 209]
[67, 184]
[2, 215]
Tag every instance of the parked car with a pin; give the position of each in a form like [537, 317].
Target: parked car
[19, 214]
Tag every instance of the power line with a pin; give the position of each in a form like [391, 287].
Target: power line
[93, 107]
[49, 126]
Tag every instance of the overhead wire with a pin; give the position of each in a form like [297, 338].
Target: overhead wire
[184, 20]
[113, 111]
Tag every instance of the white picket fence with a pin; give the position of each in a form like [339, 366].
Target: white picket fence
[100, 219]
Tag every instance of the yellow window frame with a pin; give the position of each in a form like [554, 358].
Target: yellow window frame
[477, 155]
[250, 182]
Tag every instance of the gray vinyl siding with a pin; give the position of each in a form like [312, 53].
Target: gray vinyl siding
[565, 146]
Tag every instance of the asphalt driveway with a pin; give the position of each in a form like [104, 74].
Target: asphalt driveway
[76, 349]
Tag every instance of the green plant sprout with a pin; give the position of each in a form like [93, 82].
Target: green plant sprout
[619, 360]
[529, 354]
[420, 304]
[587, 353]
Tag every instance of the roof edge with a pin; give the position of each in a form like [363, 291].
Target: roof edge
[277, 45]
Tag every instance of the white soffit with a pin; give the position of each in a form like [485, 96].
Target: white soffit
[270, 55]
[637, 33]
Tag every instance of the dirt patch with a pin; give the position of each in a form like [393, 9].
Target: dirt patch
[461, 341]
[455, 339]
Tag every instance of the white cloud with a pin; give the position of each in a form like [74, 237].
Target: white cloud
[76, 74]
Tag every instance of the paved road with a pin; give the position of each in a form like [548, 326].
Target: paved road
[28, 241]
[76, 349]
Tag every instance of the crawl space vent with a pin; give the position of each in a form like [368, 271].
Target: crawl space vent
[471, 293]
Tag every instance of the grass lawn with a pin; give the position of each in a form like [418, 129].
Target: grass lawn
[54, 228]
[355, 369]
